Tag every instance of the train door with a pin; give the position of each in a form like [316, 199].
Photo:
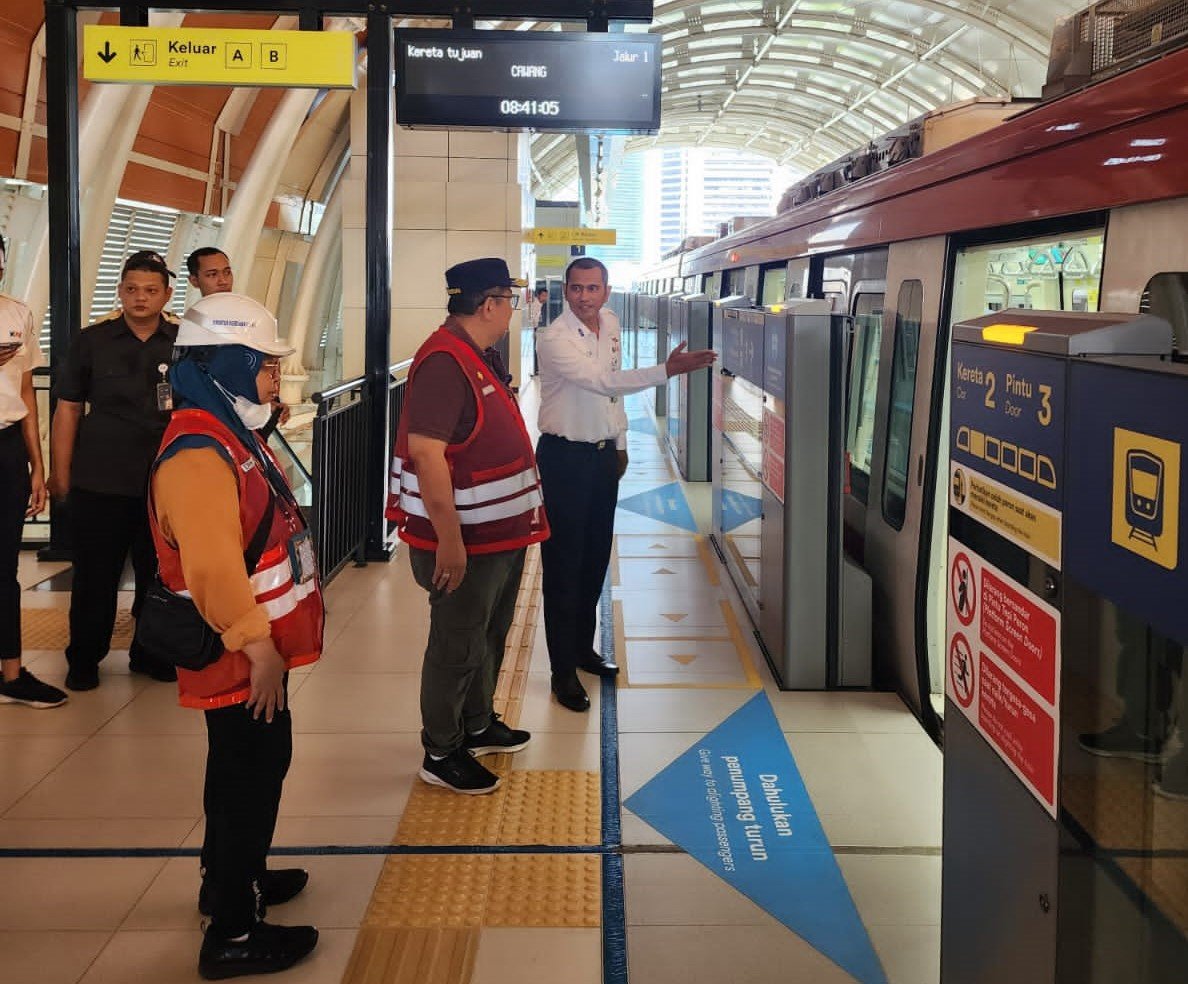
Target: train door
[889, 437]
[855, 284]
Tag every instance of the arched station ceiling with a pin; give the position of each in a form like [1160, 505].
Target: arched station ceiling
[806, 81]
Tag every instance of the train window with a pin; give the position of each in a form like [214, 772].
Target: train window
[775, 279]
[908, 314]
[1062, 274]
[863, 384]
[733, 282]
[713, 285]
[1166, 296]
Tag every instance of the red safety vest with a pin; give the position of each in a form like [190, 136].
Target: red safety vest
[294, 610]
[496, 484]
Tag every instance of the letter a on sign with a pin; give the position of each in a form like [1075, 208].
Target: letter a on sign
[735, 801]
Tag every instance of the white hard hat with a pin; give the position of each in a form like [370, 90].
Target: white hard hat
[231, 319]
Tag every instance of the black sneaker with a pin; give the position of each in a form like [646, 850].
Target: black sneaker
[276, 888]
[82, 678]
[497, 737]
[28, 690]
[266, 950]
[460, 772]
[1122, 741]
[162, 672]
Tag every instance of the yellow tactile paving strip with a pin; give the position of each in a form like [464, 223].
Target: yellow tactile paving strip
[475, 890]
[423, 956]
[561, 809]
[49, 628]
[427, 911]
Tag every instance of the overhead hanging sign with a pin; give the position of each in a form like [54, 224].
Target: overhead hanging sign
[572, 81]
[205, 56]
[571, 236]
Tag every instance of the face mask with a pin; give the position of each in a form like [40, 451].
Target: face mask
[253, 415]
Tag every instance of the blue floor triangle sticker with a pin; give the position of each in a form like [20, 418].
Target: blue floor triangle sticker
[736, 803]
[666, 503]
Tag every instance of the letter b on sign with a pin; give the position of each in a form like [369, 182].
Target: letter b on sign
[274, 55]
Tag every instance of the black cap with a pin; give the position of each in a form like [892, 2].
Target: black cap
[476, 276]
[148, 259]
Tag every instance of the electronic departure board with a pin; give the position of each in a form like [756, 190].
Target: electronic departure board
[521, 80]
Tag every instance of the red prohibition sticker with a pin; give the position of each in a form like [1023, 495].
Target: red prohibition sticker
[961, 670]
[963, 589]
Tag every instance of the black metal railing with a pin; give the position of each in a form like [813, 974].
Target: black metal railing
[339, 515]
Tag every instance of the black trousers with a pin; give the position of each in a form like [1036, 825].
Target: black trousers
[246, 763]
[467, 635]
[580, 483]
[105, 528]
[14, 500]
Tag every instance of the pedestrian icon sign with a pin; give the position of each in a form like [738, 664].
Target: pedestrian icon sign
[143, 52]
[1146, 497]
[961, 670]
[963, 588]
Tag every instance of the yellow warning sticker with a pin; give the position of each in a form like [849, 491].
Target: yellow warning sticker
[1024, 521]
[1146, 503]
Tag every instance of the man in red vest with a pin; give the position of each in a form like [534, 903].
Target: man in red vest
[466, 494]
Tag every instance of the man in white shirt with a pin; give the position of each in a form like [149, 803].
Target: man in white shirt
[536, 306]
[22, 491]
[581, 455]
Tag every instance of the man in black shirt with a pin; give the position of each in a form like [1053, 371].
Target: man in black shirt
[115, 372]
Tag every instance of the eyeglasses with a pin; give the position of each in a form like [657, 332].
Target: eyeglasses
[272, 368]
[512, 299]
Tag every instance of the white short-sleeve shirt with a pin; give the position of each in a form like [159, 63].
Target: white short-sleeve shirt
[581, 384]
[16, 325]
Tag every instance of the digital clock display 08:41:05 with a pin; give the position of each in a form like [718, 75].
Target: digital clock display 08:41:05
[530, 107]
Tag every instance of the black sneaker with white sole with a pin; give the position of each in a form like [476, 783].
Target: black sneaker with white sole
[28, 690]
[459, 771]
[497, 737]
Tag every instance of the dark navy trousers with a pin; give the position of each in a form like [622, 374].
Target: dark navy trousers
[580, 483]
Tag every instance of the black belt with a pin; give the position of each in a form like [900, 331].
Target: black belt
[589, 445]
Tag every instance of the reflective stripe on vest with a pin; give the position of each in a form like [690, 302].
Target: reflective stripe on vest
[414, 505]
[500, 488]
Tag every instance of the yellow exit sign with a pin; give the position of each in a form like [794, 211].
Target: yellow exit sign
[205, 56]
[564, 236]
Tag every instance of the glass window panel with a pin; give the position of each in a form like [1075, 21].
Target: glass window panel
[863, 384]
[774, 282]
[904, 360]
[1166, 296]
[1054, 274]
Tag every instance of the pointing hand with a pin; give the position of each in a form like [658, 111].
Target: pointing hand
[679, 361]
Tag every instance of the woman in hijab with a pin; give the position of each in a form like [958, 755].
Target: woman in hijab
[230, 535]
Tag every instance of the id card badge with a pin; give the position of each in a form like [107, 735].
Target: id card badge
[164, 390]
[301, 557]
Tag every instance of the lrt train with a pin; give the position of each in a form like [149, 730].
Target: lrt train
[1078, 201]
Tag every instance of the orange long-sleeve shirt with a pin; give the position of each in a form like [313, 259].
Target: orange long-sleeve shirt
[197, 502]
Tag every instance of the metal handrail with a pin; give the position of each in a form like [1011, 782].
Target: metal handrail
[340, 519]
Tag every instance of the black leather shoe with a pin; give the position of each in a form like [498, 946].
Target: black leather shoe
[82, 678]
[570, 693]
[266, 950]
[598, 665]
[276, 888]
